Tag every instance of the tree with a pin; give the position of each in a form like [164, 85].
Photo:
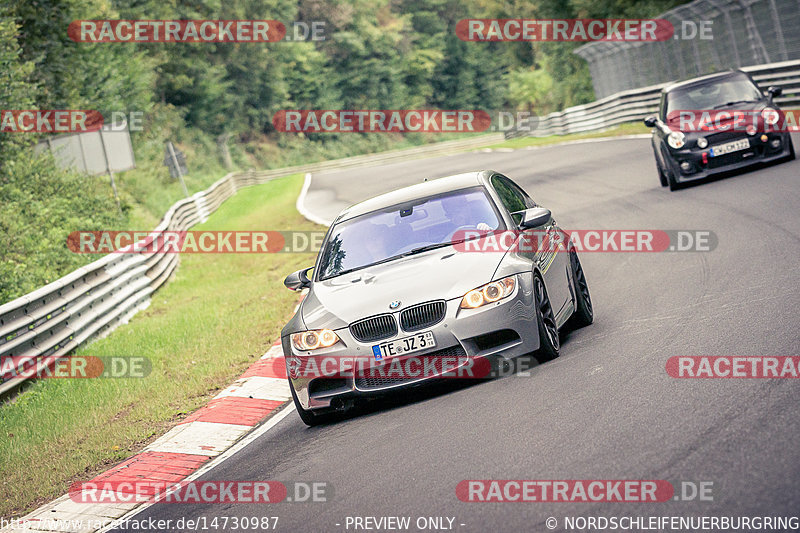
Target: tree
[531, 89]
[72, 75]
[16, 88]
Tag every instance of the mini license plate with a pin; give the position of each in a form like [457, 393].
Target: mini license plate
[414, 343]
[735, 146]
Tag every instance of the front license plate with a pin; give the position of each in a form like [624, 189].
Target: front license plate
[735, 146]
[415, 343]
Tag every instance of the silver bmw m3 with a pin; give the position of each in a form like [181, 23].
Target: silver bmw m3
[427, 282]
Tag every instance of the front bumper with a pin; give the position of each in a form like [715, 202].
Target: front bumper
[760, 152]
[464, 340]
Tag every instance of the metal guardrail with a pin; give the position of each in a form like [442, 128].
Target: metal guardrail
[633, 105]
[47, 324]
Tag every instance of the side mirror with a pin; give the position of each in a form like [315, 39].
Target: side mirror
[297, 281]
[534, 217]
[774, 91]
[650, 121]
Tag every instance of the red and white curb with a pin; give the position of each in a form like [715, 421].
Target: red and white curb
[180, 453]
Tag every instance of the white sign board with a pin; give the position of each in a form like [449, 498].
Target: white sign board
[94, 152]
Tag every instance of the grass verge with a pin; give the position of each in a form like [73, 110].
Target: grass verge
[217, 316]
[632, 128]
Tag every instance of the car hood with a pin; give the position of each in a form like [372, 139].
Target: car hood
[434, 275]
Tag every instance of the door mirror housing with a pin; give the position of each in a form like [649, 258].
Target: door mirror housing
[297, 281]
[650, 121]
[534, 217]
[773, 91]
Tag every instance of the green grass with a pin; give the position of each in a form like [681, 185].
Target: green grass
[217, 316]
[623, 129]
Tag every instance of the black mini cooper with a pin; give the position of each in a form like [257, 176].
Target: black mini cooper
[717, 123]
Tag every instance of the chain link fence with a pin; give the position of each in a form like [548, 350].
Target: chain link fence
[741, 33]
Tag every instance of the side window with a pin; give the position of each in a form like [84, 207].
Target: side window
[511, 196]
[528, 200]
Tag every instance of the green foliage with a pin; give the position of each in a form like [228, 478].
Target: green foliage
[16, 87]
[74, 75]
[41, 205]
[531, 88]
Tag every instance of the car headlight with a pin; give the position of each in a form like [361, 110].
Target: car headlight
[489, 293]
[314, 339]
[702, 142]
[676, 139]
[770, 116]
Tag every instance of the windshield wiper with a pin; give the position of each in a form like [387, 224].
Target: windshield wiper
[728, 104]
[421, 249]
[351, 270]
[343, 272]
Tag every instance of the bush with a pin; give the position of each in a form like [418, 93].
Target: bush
[41, 205]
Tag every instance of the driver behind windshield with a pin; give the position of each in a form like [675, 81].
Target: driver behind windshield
[389, 233]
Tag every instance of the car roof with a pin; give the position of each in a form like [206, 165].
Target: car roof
[415, 192]
[702, 80]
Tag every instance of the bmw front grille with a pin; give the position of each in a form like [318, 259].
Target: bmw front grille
[374, 328]
[423, 315]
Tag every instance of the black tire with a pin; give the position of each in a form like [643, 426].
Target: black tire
[673, 184]
[790, 157]
[661, 177]
[549, 340]
[308, 417]
[584, 312]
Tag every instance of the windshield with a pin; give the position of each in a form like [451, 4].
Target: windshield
[405, 229]
[735, 90]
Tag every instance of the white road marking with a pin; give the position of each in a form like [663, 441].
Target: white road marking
[301, 207]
